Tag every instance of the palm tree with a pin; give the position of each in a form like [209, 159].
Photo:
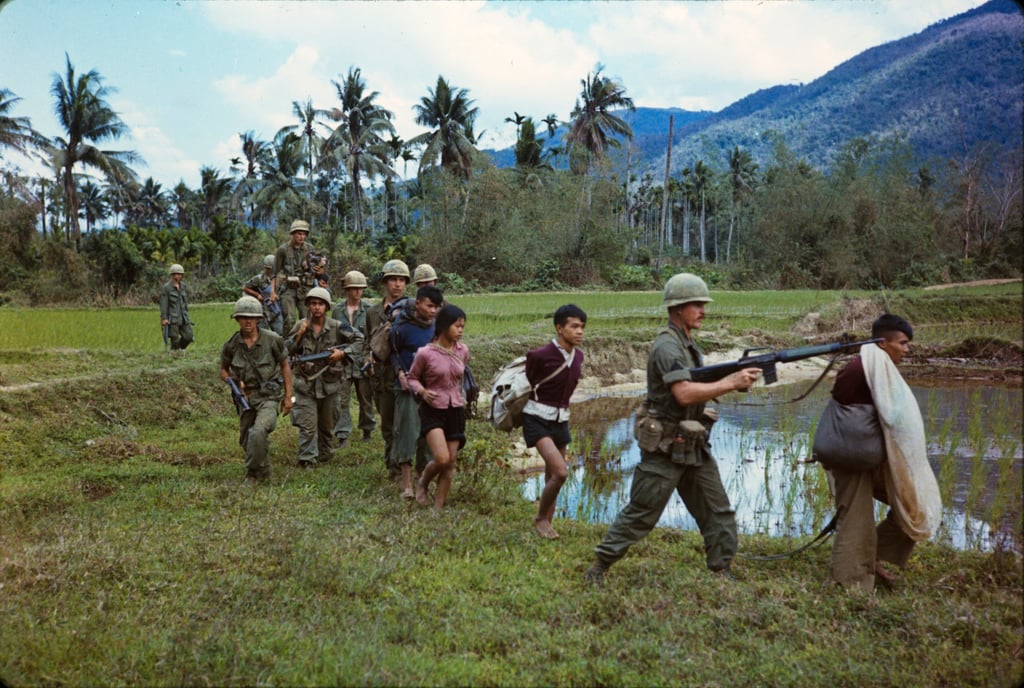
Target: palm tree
[281, 194]
[93, 204]
[701, 179]
[214, 196]
[183, 199]
[517, 120]
[153, 203]
[16, 132]
[593, 126]
[552, 123]
[741, 177]
[357, 142]
[87, 120]
[449, 113]
[311, 140]
[255, 153]
[527, 146]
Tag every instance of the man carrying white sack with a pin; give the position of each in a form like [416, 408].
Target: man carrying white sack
[871, 441]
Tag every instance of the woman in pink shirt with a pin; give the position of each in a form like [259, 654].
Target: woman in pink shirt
[436, 379]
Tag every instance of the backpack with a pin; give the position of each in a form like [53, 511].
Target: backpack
[510, 390]
[380, 337]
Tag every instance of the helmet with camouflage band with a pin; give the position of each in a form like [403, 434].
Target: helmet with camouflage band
[424, 273]
[394, 268]
[353, 280]
[685, 288]
[319, 293]
[247, 307]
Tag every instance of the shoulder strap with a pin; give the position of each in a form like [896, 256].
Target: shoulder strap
[565, 364]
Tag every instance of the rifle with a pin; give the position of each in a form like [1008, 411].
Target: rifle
[167, 342]
[320, 356]
[766, 362]
[241, 402]
[273, 308]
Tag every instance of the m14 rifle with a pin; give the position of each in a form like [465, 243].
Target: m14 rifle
[767, 361]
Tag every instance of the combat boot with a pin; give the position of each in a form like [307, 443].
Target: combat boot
[595, 574]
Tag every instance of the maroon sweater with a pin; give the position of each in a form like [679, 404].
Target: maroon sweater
[543, 361]
[851, 385]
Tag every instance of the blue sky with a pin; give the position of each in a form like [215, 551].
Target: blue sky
[191, 75]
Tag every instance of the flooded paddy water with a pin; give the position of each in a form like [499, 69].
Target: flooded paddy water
[761, 445]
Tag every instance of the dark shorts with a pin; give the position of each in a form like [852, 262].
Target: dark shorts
[536, 429]
[452, 420]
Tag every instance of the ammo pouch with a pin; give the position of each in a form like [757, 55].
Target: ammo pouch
[272, 388]
[293, 282]
[649, 433]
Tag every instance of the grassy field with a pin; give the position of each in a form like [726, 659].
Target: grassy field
[132, 552]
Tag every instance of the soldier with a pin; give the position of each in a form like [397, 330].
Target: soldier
[352, 312]
[318, 382]
[297, 270]
[258, 361]
[675, 454]
[424, 276]
[260, 287]
[174, 316]
[394, 276]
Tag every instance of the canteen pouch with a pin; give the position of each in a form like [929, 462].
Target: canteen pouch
[690, 438]
[648, 432]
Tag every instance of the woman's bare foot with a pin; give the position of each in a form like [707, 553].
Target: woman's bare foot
[421, 494]
[544, 529]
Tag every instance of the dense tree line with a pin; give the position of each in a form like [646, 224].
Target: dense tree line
[560, 217]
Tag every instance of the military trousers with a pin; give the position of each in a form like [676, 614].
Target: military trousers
[315, 420]
[409, 447]
[384, 400]
[293, 307]
[858, 542]
[364, 396]
[699, 486]
[179, 335]
[255, 426]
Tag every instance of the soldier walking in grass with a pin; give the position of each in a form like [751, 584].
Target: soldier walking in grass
[673, 429]
[257, 360]
[174, 317]
[318, 382]
[352, 312]
[260, 288]
[295, 274]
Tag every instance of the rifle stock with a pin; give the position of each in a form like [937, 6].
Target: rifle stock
[767, 361]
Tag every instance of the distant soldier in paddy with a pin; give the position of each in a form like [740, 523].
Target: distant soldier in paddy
[352, 312]
[174, 309]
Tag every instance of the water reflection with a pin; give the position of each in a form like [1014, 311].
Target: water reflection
[974, 436]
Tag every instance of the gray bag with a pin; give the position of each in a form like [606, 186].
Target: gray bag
[849, 437]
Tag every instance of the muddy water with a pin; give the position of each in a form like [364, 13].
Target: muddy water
[974, 436]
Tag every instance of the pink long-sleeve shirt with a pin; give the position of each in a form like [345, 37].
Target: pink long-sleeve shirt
[440, 371]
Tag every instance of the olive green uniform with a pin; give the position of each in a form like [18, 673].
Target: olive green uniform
[273, 319]
[687, 467]
[383, 389]
[259, 369]
[295, 279]
[174, 309]
[317, 385]
[356, 378]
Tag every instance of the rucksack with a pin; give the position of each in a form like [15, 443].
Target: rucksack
[510, 390]
[380, 337]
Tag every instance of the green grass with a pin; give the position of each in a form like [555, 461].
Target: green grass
[132, 552]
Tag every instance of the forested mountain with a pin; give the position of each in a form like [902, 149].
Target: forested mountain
[959, 82]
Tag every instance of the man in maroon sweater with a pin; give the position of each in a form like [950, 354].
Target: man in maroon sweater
[553, 371]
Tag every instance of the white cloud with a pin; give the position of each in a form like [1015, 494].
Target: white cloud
[165, 162]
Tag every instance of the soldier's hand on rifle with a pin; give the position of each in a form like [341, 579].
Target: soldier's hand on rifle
[336, 356]
[303, 326]
[286, 403]
[164, 322]
[742, 380]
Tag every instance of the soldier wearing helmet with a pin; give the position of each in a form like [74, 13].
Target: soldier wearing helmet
[424, 276]
[672, 431]
[318, 382]
[260, 287]
[297, 269]
[174, 317]
[392, 280]
[257, 360]
[352, 312]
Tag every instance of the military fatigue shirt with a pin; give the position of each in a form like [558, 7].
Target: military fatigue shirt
[258, 367]
[174, 304]
[358, 322]
[670, 360]
[307, 380]
[293, 262]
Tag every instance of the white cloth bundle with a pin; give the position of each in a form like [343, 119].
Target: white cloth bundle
[909, 479]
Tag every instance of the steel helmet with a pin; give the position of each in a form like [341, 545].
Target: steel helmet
[268, 260]
[353, 279]
[424, 273]
[247, 307]
[299, 226]
[394, 268]
[319, 293]
[175, 270]
[684, 288]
